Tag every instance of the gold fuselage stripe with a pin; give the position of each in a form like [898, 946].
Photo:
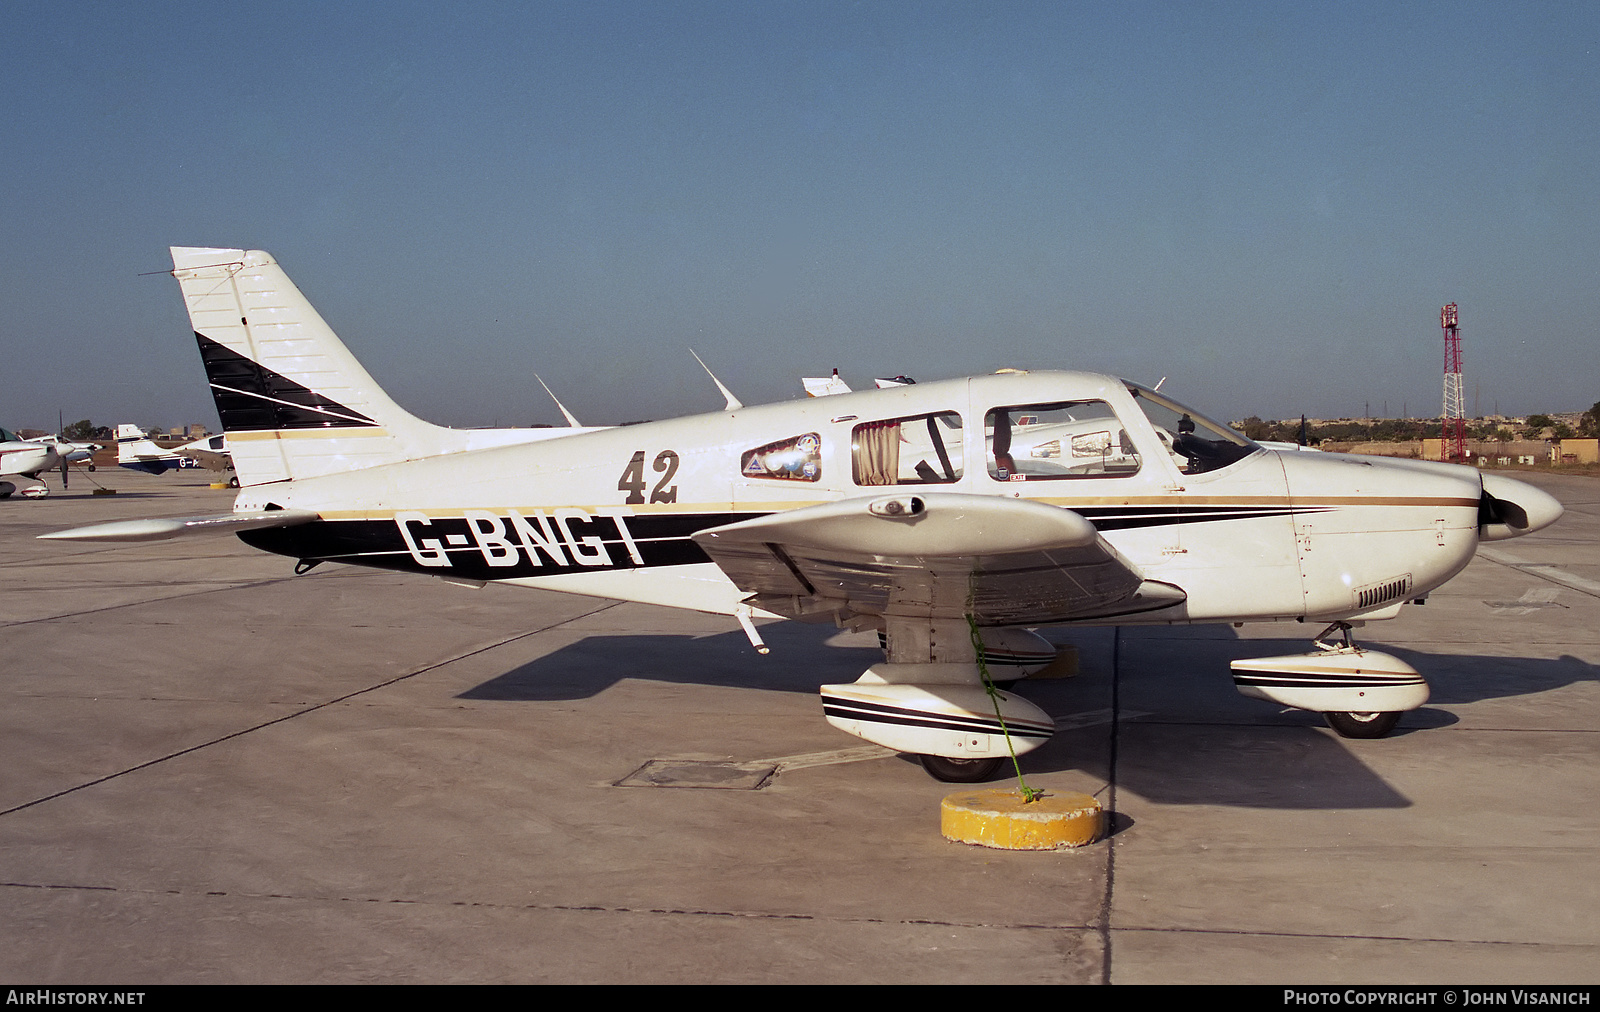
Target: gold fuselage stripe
[1324, 502]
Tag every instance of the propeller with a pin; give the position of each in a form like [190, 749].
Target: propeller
[1492, 510]
[61, 450]
[1509, 508]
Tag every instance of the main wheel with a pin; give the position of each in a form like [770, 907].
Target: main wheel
[1362, 725]
[960, 771]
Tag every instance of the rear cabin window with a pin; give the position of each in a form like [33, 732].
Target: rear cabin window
[915, 450]
[1068, 439]
[798, 458]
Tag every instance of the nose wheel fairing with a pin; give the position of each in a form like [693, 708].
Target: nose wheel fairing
[1347, 679]
[1361, 692]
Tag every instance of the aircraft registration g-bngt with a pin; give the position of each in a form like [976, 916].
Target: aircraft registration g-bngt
[952, 517]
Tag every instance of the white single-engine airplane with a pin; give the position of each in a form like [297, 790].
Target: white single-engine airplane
[948, 516]
[28, 458]
[138, 452]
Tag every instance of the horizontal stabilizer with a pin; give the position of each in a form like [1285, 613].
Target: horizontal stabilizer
[161, 530]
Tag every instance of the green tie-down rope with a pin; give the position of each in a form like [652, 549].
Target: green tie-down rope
[1029, 794]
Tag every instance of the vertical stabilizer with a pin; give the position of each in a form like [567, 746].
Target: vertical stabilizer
[293, 400]
[136, 451]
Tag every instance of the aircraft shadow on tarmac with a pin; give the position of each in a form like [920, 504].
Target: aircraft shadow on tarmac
[1186, 738]
[594, 664]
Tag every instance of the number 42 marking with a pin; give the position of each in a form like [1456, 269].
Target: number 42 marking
[633, 480]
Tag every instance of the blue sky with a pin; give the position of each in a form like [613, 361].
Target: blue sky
[1266, 203]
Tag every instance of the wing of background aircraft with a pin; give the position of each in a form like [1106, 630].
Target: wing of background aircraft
[210, 452]
[828, 386]
[824, 386]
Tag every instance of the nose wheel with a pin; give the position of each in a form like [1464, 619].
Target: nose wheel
[1362, 725]
[1355, 723]
[961, 771]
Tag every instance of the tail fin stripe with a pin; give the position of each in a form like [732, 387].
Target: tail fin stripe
[351, 419]
[250, 396]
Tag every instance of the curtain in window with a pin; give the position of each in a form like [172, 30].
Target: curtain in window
[877, 458]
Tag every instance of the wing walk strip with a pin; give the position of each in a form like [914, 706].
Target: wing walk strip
[473, 652]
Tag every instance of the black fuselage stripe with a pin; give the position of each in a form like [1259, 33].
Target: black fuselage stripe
[659, 540]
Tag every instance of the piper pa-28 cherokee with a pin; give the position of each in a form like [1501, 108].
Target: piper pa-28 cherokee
[949, 516]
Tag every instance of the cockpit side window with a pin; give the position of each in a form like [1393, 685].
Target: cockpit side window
[1066, 439]
[915, 450]
[1197, 444]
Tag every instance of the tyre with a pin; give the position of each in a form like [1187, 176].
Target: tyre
[1362, 725]
[960, 771]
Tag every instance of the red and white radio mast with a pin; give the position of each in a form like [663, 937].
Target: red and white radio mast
[1455, 422]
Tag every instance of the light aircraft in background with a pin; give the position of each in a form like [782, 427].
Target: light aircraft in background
[951, 517]
[138, 452]
[73, 453]
[22, 461]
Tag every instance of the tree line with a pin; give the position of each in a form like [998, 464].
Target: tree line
[1397, 430]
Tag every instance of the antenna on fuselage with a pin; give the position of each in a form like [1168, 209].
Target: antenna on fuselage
[564, 412]
[734, 403]
[1158, 385]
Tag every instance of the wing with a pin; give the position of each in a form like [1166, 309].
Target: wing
[1004, 561]
[208, 459]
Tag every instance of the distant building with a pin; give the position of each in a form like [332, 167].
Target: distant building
[1580, 451]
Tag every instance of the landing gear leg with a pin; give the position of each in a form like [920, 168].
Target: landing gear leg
[1354, 723]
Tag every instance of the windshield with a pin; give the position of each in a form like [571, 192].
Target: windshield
[1197, 444]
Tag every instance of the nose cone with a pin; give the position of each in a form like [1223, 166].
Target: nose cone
[1511, 508]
